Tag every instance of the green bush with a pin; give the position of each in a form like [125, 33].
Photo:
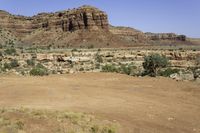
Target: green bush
[30, 62]
[1, 54]
[1, 67]
[7, 66]
[14, 63]
[10, 51]
[127, 69]
[153, 63]
[91, 46]
[168, 72]
[110, 68]
[74, 50]
[97, 66]
[39, 70]
[81, 69]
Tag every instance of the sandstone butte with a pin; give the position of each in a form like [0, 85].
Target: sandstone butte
[78, 27]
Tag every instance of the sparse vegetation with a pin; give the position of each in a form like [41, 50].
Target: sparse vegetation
[197, 61]
[91, 46]
[195, 71]
[110, 68]
[13, 64]
[1, 46]
[99, 58]
[39, 70]
[74, 50]
[81, 69]
[167, 72]
[1, 54]
[123, 68]
[2, 69]
[51, 121]
[153, 63]
[10, 51]
[7, 66]
[30, 62]
[127, 68]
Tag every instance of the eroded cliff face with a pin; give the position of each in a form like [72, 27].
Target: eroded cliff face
[85, 17]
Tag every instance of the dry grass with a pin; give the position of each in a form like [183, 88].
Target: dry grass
[45, 121]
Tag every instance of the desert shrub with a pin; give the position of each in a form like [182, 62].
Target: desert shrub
[81, 69]
[1, 67]
[10, 51]
[195, 70]
[127, 69]
[97, 66]
[91, 46]
[19, 125]
[7, 66]
[22, 72]
[1, 54]
[74, 50]
[94, 129]
[167, 72]
[39, 70]
[14, 63]
[30, 62]
[99, 58]
[197, 61]
[153, 63]
[110, 68]
[108, 130]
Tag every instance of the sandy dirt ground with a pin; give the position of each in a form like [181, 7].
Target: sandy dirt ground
[140, 105]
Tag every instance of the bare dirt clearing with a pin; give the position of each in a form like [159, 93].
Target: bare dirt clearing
[140, 105]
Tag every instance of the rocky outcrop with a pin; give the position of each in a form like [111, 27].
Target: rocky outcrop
[85, 17]
[165, 36]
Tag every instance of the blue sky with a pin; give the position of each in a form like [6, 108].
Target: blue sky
[178, 16]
